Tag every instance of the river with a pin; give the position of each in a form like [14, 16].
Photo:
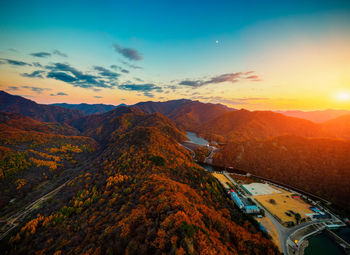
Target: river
[194, 138]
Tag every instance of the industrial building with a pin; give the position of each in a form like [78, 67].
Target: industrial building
[243, 203]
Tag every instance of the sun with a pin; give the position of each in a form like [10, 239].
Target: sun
[343, 96]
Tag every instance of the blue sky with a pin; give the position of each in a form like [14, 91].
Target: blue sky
[176, 42]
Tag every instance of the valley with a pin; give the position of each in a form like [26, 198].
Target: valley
[141, 168]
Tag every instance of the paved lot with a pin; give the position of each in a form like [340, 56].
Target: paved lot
[256, 188]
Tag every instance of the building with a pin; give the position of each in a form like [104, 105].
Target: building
[251, 209]
[234, 196]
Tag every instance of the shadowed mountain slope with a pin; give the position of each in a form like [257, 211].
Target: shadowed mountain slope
[48, 113]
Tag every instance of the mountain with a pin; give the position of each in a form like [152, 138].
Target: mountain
[339, 127]
[141, 194]
[244, 124]
[316, 165]
[102, 126]
[47, 113]
[186, 113]
[18, 122]
[90, 108]
[36, 156]
[316, 116]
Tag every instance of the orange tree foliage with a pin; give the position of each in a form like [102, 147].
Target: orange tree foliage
[143, 194]
[319, 166]
[25, 154]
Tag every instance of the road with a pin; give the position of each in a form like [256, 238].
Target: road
[209, 159]
[14, 220]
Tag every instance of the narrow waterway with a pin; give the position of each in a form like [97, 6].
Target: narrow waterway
[196, 139]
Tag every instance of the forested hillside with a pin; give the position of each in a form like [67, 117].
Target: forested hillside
[48, 113]
[319, 166]
[242, 125]
[186, 113]
[142, 195]
[33, 154]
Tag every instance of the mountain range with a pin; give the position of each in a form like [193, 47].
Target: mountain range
[89, 108]
[316, 116]
[127, 185]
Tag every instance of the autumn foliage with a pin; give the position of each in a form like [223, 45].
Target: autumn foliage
[143, 194]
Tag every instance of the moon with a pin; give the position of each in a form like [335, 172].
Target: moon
[217, 41]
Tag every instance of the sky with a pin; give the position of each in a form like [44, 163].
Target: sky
[253, 54]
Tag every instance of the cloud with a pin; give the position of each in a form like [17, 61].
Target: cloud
[98, 97]
[36, 89]
[37, 64]
[115, 67]
[59, 94]
[105, 72]
[232, 101]
[14, 62]
[59, 53]
[35, 74]
[128, 53]
[131, 65]
[61, 76]
[12, 88]
[146, 89]
[71, 75]
[41, 54]
[229, 77]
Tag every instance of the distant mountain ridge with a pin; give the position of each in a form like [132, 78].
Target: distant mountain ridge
[316, 116]
[186, 113]
[89, 108]
[244, 124]
[41, 112]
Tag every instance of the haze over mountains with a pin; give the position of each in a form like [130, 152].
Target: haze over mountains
[316, 116]
[90, 108]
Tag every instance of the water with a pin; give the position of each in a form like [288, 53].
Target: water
[321, 244]
[343, 233]
[196, 139]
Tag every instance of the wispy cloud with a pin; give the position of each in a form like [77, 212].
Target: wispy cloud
[13, 88]
[37, 90]
[71, 75]
[105, 72]
[98, 97]
[115, 67]
[232, 101]
[41, 54]
[37, 64]
[59, 94]
[34, 74]
[131, 65]
[59, 53]
[229, 77]
[14, 62]
[128, 53]
[146, 89]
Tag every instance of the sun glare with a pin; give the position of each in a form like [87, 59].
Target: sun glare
[343, 96]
